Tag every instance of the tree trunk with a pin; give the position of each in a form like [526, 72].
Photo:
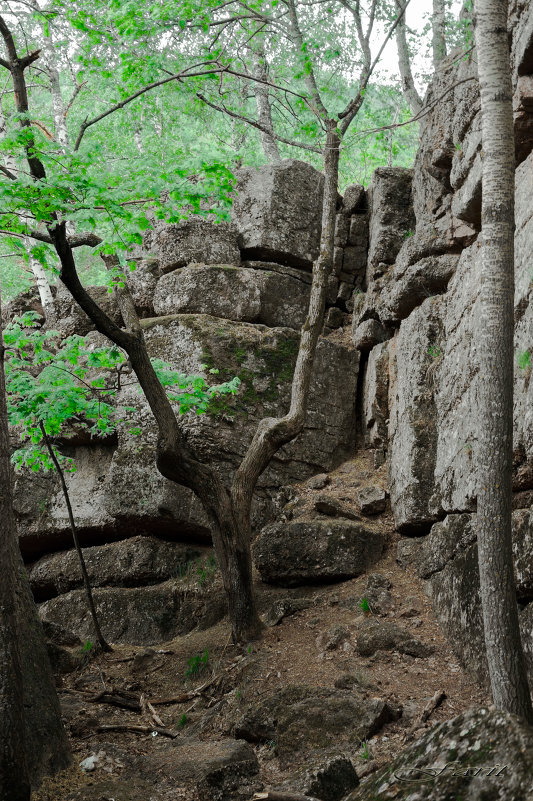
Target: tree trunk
[264, 109]
[14, 778]
[438, 24]
[41, 282]
[74, 531]
[58, 107]
[498, 595]
[404, 64]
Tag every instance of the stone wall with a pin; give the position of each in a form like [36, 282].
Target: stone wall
[422, 308]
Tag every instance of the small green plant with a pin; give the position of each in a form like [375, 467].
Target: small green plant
[434, 351]
[408, 233]
[197, 664]
[249, 649]
[523, 359]
[87, 647]
[458, 146]
[365, 752]
[365, 606]
[182, 721]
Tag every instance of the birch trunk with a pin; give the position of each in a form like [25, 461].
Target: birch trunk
[438, 24]
[264, 109]
[404, 64]
[506, 661]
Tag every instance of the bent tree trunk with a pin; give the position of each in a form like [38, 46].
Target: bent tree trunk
[506, 661]
[228, 509]
[14, 779]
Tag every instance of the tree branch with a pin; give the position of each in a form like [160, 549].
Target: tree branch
[355, 104]
[257, 125]
[177, 77]
[316, 101]
[8, 173]
[75, 241]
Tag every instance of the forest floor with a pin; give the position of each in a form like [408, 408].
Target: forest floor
[196, 687]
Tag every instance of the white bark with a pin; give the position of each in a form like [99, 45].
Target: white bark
[438, 24]
[506, 661]
[404, 64]
[41, 282]
[264, 109]
[58, 107]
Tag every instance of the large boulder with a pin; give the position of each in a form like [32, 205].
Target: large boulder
[457, 389]
[375, 397]
[278, 212]
[482, 753]
[235, 293]
[134, 562]
[377, 635]
[299, 718]
[523, 388]
[448, 559]
[310, 552]
[391, 215]
[195, 241]
[416, 351]
[117, 491]
[139, 615]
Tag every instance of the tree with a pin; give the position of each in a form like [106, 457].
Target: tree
[404, 65]
[227, 508]
[14, 779]
[505, 655]
[438, 27]
[33, 741]
[56, 387]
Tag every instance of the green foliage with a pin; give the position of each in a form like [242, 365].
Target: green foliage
[87, 646]
[434, 351]
[206, 570]
[197, 664]
[365, 752]
[62, 386]
[524, 360]
[182, 722]
[364, 605]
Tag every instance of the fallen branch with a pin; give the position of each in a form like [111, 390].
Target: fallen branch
[123, 700]
[429, 708]
[277, 795]
[188, 696]
[137, 729]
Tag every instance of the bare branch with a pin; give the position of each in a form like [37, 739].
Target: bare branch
[255, 124]
[355, 104]
[10, 175]
[316, 101]
[75, 241]
[177, 77]
[417, 117]
[75, 93]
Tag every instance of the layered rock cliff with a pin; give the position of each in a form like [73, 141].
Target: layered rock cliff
[396, 374]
